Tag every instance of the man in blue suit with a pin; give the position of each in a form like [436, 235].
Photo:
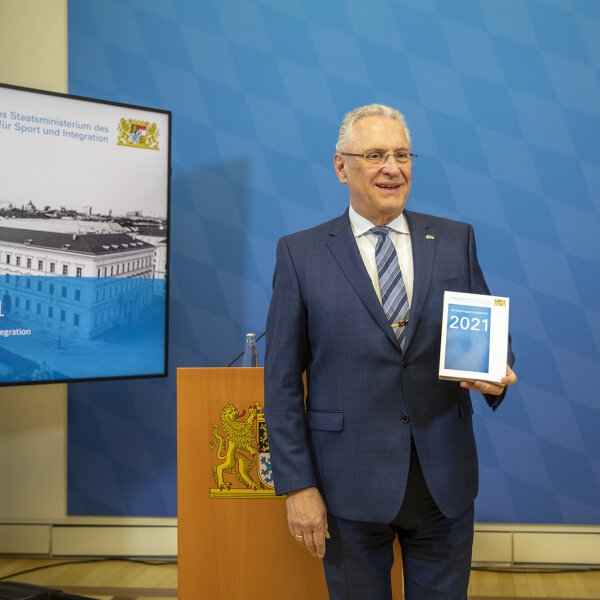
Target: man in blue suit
[382, 448]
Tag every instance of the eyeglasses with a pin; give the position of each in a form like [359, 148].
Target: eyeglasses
[378, 159]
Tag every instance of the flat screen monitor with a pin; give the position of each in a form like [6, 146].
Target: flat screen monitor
[84, 238]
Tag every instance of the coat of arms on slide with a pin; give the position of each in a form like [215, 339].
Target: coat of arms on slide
[243, 448]
[138, 134]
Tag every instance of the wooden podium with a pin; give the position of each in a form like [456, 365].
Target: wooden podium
[233, 538]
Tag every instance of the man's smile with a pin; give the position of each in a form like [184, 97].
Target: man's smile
[388, 188]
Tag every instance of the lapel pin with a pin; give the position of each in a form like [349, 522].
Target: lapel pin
[430, 237]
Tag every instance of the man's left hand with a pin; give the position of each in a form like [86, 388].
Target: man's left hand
[491, 388]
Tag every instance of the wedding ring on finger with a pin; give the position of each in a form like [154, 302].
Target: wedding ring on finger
[299, 536]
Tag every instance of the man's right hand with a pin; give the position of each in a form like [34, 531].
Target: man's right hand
[307, 519]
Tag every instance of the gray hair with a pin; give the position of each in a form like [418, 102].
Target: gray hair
[371, 110]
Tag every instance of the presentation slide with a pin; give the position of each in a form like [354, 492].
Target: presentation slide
[84, 203]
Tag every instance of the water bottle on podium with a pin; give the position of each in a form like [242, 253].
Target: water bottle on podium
[250, 353]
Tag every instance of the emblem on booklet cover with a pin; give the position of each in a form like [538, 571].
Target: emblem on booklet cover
[243, 447]
[138, 134]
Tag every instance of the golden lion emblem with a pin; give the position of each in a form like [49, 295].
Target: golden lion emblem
[240, 437]
[138, 134]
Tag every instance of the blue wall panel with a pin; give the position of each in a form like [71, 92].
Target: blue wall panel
[503, 101]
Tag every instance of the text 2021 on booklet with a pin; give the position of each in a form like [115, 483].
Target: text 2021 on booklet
[474, 337]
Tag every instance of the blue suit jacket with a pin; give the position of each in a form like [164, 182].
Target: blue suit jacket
[325, 319]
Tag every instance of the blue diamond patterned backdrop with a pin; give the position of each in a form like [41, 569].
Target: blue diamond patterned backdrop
[503, 101]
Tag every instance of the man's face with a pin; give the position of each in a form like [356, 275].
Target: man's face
[377, 193]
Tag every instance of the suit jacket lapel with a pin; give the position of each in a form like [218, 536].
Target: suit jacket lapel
[423, 249]
[343, 246]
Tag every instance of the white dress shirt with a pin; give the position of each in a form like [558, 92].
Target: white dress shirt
[367, 241]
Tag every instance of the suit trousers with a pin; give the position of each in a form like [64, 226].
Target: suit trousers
[436, 550]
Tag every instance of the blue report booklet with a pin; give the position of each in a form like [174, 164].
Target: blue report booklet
[474, 337]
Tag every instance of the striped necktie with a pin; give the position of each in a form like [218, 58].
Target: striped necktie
[391, 283]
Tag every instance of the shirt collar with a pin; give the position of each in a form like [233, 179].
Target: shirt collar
[360, 225]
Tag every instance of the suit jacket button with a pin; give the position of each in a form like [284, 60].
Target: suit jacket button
[404, 418]
[404, 366]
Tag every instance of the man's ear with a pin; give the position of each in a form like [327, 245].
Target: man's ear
[340, 168]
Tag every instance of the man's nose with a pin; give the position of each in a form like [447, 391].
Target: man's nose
[391, 164]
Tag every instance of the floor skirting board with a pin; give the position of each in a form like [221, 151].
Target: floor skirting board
[503, 545]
